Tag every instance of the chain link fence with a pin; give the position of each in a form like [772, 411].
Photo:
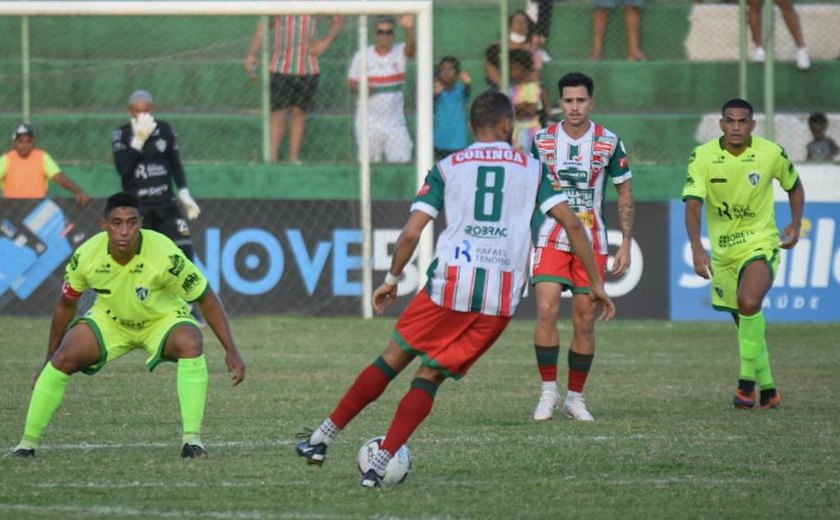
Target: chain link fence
[71, 77]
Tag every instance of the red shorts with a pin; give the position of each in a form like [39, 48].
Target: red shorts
[446, 340]
[553, 265]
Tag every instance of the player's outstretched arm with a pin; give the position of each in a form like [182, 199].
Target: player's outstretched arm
[407, 242]
[214, 313]
[583, 250]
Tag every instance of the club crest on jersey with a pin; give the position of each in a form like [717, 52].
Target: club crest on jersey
[142, 293]
[754, 177]
[160, 144]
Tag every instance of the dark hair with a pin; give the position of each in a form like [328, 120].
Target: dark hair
[576, 79]
[523, 58]
[121, 200]
[817, 118]
[528, 20]
[452, 60]
[385, 19]
[490, 108]
[737, 103]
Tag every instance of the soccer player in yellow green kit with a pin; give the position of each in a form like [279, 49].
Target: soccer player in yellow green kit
[733, 176]
[144, 285]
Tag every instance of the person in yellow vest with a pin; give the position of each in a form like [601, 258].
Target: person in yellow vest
[25, 171]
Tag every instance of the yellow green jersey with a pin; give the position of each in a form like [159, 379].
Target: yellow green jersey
[738, 194]
[156, 282]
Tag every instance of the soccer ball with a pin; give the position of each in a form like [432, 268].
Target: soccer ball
[398, 468]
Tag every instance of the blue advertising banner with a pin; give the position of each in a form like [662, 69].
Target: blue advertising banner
[807, 286]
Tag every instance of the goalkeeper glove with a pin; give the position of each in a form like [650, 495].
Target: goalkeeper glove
[142, 127]
[193, 211]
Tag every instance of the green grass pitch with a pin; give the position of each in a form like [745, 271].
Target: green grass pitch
[666, 443]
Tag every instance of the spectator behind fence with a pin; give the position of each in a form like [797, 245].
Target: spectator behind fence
[25, 171]
[386, 62]
[632, 21]
[822, 148]
[452, 90]
[540, 11]
[521, 37]
[294, 74]
[525, 94]
[803, 61]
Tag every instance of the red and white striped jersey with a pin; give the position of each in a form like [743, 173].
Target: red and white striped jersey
[580, 167]
[386, 81]
[489, 192]
[293, 38]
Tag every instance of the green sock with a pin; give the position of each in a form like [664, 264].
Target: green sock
[750, 341]
[192, 393]
[46, 398]
[762, 362]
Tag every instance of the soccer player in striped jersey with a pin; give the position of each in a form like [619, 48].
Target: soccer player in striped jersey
[733, 175]
[582, 156]
[386, 63]
[294, 74]
[143, 283]
[489, 192]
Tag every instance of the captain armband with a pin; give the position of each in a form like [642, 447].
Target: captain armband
[68, 292]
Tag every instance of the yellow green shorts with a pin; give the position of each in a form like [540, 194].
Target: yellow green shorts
[727, 277]
[116, 340]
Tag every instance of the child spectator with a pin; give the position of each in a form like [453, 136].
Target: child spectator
[822, 148]
[525, 93]
[452, 89]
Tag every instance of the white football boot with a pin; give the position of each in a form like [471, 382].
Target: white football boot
[575, 407]
[549, 400]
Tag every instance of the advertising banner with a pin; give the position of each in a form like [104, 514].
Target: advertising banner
[275, 256]
[807, 285]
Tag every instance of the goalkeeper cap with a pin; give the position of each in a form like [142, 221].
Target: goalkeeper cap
[23, 129]
[140, 96]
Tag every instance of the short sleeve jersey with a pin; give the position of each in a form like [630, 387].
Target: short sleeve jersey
[158, 280]
[738, 194]
[581, 167]
[489, 192]
[386, 81]
[27, 177]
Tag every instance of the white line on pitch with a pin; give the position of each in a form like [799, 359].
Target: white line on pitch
[115, 512]
[218, 444]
